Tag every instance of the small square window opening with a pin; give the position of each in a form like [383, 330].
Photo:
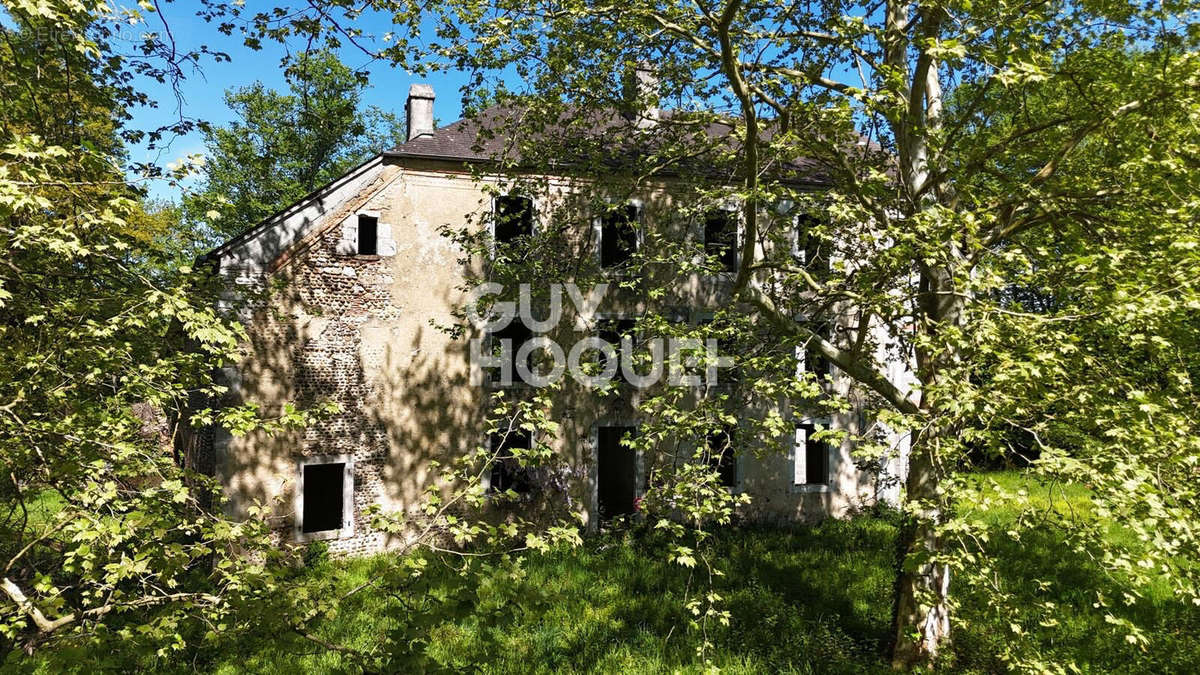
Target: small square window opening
[368, 235]
[514, 218]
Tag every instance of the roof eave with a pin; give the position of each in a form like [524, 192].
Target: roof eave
[288, 210]
[400, 154]
[458, 159]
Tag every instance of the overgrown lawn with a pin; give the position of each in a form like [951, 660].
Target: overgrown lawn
[802, 599]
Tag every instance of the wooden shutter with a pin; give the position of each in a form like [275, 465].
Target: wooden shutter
[386, 245]
[348, 244]
[800, 455]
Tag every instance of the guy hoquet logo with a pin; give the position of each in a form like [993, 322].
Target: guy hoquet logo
[509, 359]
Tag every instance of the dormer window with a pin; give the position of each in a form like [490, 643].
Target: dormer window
[618, 235]
[720, 238]
[368, 235]
[514, 218]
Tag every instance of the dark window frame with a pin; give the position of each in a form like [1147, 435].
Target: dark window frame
[501, 218]
[301, 503]
[725, 246]
[510, 331]
[812, 252]
[368, 234]
[723, 458]
[612, 250]
[808, 357]
[506, 472]
[814, 361]
[640, 477]
[820, 450]
[606, 334]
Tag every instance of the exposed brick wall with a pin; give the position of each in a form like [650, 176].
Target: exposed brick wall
[346, 292]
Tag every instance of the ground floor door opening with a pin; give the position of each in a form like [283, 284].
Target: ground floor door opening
[616, 475]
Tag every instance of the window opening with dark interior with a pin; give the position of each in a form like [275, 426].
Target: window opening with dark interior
[514, 218]
[324, 497]
[721, 456]
[618, 235]
[720, 238]
[507, 472]
[368, 235]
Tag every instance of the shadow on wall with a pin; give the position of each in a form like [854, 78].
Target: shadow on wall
[344, 329]
[328, 329]
[354, 329]
[421, 401]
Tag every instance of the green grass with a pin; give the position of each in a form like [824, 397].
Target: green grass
[804, 599]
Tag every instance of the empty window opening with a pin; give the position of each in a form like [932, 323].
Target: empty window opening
[815, 361]
[517, 333]
[507, 472]
[324, 497]
[514, 218]
[812, 456]
[720, 238]
[614, 331]
[721, 456]
[616, 472]
[727, 345]
[618, 235]
[812, 251]
[368, 235]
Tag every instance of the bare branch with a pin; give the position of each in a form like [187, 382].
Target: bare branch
[46, 626]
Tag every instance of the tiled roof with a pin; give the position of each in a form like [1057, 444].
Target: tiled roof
[613, 135]
[457, 140]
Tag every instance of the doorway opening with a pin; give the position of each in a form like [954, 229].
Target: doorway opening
[616, 472]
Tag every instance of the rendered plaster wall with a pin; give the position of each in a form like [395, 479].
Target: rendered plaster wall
[357, 330]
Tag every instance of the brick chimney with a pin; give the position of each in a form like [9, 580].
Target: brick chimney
[419, 110]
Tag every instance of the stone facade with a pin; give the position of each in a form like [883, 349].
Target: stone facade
[326, 323]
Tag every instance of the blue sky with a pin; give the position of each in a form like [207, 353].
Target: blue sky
[203, 89]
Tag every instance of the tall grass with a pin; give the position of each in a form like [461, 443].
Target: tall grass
[803, 600]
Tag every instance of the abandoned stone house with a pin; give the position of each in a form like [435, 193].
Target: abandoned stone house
[360, 269]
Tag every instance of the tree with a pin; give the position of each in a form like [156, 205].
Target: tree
[968, 148]
[962, 151]
[284, 146]
[111, 536]
[106, 536]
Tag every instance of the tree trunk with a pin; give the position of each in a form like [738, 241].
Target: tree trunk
[920, 611]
